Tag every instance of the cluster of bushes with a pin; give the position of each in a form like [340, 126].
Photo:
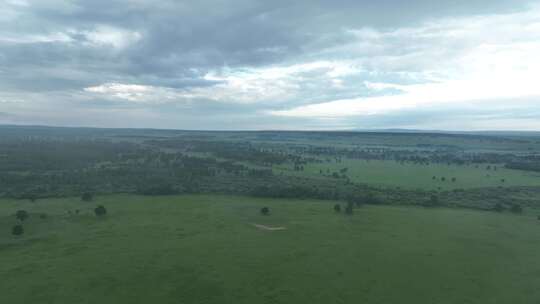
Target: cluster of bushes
[514, 208]
[22, 215]
[349, 208]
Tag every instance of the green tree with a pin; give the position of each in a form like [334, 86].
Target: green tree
[21, 215]
[17, 230]
[337, 208]
[265, 211]
[433, 201]
[100, 211]
[87, 196]
[349, 208]
[516, 208]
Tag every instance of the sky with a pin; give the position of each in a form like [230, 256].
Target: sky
[271, 65]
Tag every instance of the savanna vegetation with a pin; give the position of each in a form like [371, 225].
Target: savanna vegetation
[138, 216]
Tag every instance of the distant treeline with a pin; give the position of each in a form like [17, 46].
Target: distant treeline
[526, 166]
[34, 167]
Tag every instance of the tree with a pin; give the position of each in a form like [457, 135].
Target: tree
[337, 208]
[100, 210]
[349, 208]
[433, 201]
[372, 200]
[43, 216]
[516, 208]
[453, 179]
[498, 207]
[21, 215]
[265, 211]
[355, 200]
[87, 196]
[17, 230]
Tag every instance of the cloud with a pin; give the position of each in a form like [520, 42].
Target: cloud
[269, 64]
[109, 36]
[492, 58]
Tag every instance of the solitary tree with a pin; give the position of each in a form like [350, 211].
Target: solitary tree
[516, 208]
[349, 208]
[21, 215]
[100, 210]
[87, 196]
[433, 201]
[355, 200]
[17, 230]
[265, 211]
[337, 208]
[498, 207]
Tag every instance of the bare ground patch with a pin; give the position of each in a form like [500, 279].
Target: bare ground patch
[263, 227]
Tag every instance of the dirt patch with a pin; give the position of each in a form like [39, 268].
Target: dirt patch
[263, 227]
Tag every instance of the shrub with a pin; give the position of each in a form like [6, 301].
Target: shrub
[337, 208]
[100, 210]
[17, 230]
[21, 215]
[265, 211]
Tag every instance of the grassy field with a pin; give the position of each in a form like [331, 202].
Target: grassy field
[205, 249]
[415, 176]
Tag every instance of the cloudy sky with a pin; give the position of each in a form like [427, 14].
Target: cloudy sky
[246, 64]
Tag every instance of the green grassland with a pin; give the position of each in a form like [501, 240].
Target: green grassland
[417, 176]
[477, 143]
[204, 249]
